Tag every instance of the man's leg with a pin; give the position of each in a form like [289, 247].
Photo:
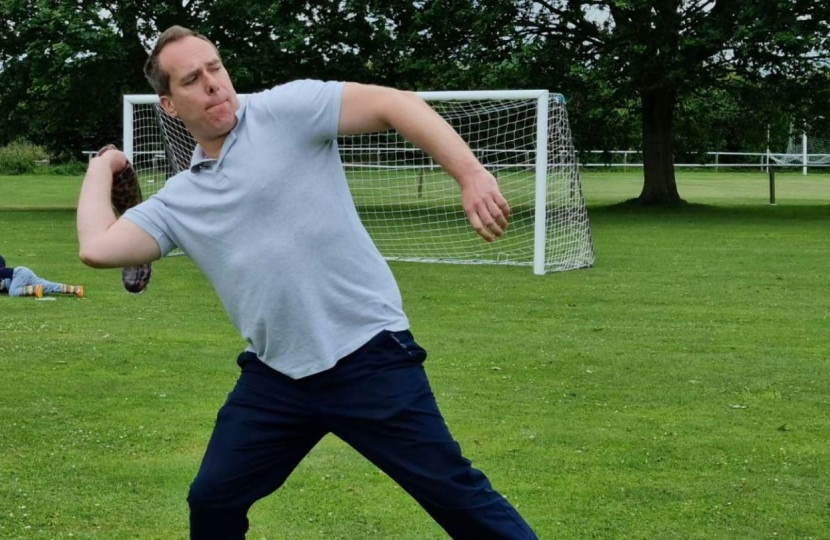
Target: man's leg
[262, 433]
[390, 416]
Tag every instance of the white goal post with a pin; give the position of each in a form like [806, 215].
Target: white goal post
[410, 206]
[803, 151]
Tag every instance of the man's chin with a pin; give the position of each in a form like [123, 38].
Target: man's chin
[226, 126]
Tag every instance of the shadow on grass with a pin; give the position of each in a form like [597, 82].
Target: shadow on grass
[39, 209]
[686, 210]
[625, 208]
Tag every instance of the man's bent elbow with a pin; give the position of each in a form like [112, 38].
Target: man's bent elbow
[94, 258]
[88, 258]
[411, 96]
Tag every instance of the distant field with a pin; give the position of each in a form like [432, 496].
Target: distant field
[600, 188]
[724, 188]
[676, 390]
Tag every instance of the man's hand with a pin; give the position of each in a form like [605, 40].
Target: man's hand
[115, 159]
[368, 108]
[484, 204]
[106, 242]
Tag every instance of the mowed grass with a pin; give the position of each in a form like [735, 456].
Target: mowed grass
[678, 389]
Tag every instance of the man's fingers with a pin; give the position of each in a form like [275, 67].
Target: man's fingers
[504, 205]
[499, 216]
[118, 163]
[479, 227]
[115, 158]
[489, 223]
[486, 208]
[491, 226]
[106, 148]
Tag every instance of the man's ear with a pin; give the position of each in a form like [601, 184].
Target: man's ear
[168, 106]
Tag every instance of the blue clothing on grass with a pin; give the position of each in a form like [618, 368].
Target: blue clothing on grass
[23, 277]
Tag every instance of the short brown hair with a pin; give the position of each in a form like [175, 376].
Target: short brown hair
[157, 77]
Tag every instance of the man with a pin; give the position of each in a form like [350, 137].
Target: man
[265, 213]
[21, 281]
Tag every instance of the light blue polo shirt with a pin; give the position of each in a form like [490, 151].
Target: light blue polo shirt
[273, 227]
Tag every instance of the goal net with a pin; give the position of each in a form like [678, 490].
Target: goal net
[409, 205]
[804, 151]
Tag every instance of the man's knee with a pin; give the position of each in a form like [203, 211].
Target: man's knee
[201, 496]
[209, 495]
[213, 517]
[219, 494]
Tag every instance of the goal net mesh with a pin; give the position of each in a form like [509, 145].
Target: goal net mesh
[817, 153]
[410, 206]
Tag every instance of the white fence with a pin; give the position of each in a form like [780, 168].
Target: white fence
[714, 160]
[634, 159]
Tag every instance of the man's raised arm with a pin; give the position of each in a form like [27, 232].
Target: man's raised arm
[107, 242]
[375, 108]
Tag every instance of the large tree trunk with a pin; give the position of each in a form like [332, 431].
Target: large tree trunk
[658, 163]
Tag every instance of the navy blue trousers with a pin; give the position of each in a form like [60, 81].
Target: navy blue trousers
[378, 400]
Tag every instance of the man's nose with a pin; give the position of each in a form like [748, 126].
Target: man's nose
[212, 85]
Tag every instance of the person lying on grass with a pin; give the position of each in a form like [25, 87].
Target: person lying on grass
[21, 281]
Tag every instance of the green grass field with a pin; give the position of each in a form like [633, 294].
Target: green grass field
[678, 389]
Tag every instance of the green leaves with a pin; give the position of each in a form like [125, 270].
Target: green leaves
[65, 65]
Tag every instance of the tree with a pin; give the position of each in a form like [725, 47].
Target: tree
[64, 66]
[659, 50]
[58, 73]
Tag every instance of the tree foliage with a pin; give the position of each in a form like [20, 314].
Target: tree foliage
[666, 52]
[704, 74]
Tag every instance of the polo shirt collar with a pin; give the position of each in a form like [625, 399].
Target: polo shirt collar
[200, 161]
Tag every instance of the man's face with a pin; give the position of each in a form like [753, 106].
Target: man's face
[201, 92]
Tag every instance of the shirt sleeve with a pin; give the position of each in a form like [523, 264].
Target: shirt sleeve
[307, 107]
[150, 217]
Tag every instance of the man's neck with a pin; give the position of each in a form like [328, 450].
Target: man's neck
[213, 147]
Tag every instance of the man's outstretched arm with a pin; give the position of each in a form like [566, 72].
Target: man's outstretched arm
[107, 242]
[368, 108]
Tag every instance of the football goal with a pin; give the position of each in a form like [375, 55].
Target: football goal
[410, 206]
[803, 151]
